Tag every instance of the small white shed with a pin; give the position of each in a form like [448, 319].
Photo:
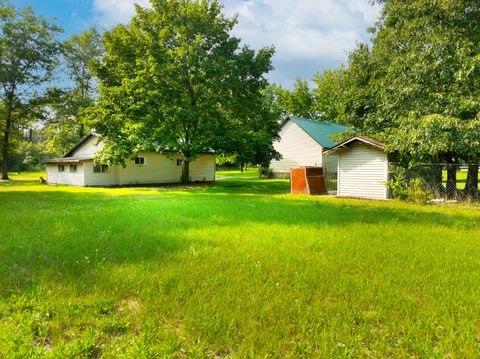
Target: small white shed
[362, 168]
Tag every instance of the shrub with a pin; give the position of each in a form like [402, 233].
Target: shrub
[265, 172]
[417, 191]
[408, 188]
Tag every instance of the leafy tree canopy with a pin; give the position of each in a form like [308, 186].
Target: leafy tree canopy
[28, 56]
[64, 123]
[420, 75]
[175, 79]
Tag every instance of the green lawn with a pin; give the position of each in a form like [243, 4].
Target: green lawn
[249, 172]
[461, 178]
[26, 176]
[238, 269]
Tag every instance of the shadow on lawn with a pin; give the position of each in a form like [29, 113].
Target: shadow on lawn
[64, 234]
[240, 186]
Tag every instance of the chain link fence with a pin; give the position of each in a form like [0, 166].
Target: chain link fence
[330, 169]
[434, 182]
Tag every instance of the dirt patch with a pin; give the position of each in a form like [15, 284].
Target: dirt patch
[130, 305]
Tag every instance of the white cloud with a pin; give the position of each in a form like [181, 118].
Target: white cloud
[112, 12]
[309, 35]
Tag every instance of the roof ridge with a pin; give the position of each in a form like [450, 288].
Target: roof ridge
[320, 131]
[315, 121]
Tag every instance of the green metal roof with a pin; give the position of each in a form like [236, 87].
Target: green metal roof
[320, 131]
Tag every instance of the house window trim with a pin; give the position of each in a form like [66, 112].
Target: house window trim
[61, 168]
[75, 167]
[140, 164]
[103, 168]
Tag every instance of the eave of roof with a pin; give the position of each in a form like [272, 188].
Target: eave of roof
[69, 159]
[363, 139]
[319, 131]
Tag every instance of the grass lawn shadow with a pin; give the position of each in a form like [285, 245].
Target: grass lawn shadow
[238, 268]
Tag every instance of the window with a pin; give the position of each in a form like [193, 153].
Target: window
[100, 169]
[73, 168]
[139, 161]
[179, 162]
[61, 168]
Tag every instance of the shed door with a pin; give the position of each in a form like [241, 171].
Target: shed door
[363, 171]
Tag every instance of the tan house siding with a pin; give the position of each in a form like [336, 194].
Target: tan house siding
[162, 169]
[157, 169]
[106, 179]
[297, 148]
[203, 168]
[362, 172]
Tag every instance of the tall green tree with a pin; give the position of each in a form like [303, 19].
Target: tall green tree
[423, 64]
[320, 99]
[28, 55]
[64, 123]
[328, 95]
[299, 101]
[251, 140]
[175, 79]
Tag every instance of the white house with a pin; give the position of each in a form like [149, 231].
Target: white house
[362, 168]
[302, 143]
[77, 167]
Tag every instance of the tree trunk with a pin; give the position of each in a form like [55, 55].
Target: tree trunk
[6, 138]
[81, 130]
[471, 186]
[185, 170]
[438, 188]
[451, 181]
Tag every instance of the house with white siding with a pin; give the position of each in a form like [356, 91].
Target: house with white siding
[77, 167]
[362, 168]
[302, 143]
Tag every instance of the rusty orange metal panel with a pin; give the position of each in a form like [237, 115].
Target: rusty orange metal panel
[298, 181]
[307, 180]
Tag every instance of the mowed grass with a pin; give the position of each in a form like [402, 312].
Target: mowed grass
[461, 178]
[249, 172]
[237, 269]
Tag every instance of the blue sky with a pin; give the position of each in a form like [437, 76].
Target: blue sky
[309, 35]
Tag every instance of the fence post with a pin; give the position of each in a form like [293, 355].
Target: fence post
[438, 189]
[471, 186]
[451, 180]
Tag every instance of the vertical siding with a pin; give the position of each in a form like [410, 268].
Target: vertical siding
[67, 178]
[362, 172]
[297, 149]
